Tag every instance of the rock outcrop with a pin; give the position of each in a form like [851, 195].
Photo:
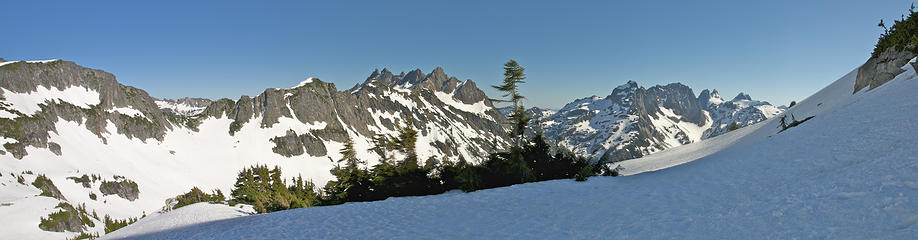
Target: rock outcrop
[124, 188]
[881, 68]
[67, 218]
[47, 187]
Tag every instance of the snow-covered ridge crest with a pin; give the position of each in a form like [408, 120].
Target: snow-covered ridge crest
[304, 82]
[37, 61]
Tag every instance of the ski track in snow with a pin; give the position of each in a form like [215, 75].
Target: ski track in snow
[851, 172]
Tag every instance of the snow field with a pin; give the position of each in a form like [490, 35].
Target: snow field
[848, 173]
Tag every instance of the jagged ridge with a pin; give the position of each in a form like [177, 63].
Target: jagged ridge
[634, 121]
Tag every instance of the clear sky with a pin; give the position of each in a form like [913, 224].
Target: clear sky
[774, 50]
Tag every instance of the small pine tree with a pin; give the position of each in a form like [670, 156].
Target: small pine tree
[513, 77]
[584, 173]
[405, 143]
[349, 155]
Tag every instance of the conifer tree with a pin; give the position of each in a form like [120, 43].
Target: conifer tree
[513, 76]
[352, 184]
[349, 155]
[407, 137]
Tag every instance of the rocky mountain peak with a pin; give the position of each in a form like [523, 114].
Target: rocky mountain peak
[412, 78]
[623, 92]
[629, 85]
[434, 81]
[705, 94]
[708, 97]
[742, 96]
[469, 93]
[374, 75]
[438, 74]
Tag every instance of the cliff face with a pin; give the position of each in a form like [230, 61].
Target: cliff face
[38, 93]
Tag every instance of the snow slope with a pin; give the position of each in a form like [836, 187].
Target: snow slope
[851, 172]
[184, 216]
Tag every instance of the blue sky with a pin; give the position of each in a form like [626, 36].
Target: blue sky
[774, 50]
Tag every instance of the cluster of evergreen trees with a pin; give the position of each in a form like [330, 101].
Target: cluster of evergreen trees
[401, 173]
[114, 224]
[266, 191]
[195, 195]
[902, 35]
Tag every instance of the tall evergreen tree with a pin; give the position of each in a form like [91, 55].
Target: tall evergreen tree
[349, 155]
[513, 77]
[405, 142]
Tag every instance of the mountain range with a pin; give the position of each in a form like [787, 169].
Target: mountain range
[840, 164]
[84, 139]
[634, 121]
[78, 136]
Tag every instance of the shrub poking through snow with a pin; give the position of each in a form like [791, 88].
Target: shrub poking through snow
[114, 224]
[67, 218]
[584, 173]
[195, 195]
[47, 187]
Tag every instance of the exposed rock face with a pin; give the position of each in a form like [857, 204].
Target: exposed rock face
[634, 121]
[881, 68]
[124, 188]
[294, 145]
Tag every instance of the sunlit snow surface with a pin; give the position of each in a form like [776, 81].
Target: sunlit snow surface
[851, 172]
[181, 217]
[27, 103]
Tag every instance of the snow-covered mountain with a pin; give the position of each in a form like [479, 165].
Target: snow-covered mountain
[184, 106]
[96, 146]
[848, 173]
[634, 121]
[741, 110]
